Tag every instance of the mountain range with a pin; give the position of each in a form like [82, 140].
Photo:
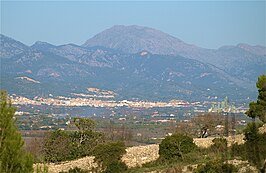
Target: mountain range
[135, 62]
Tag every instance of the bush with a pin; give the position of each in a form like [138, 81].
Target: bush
[75, 170]
[251, 132]
[41, 168]
[253, 149]
[219, 147]
[215, 167]
[116, 167]
[108, 156]
[238, 151]
[255, 144]
[195, 157]
[173, 147]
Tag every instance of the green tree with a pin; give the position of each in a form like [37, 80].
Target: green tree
[58, 147]
[67, 145]
[13, 158]
[84, 124]
[253, 149]
[258, 109]
[255, 144]
[174, 147]
[86, 138]
[108, 156]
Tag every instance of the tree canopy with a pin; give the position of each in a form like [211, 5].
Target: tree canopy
[67, 145]
[13, 158]
[174, 147]
[108, 156]
[258, 109]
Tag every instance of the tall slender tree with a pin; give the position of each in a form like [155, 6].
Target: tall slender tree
[258, 109]
[13, 158]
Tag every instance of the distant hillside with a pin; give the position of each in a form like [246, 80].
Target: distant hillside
[133, 39]
[135, 62]
[10, 47]
[243, 61]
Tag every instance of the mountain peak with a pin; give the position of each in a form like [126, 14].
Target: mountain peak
[134, 39]
[10, 47]
[257, 50]
[8, 40]
[40, 45]
[123, 27]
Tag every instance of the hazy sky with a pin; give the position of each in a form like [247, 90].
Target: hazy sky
[207, 24]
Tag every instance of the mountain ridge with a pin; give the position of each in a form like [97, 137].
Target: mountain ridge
[228, 71]
[227, 58]
[122, 36]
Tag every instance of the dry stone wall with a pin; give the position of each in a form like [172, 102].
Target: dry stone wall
[84, 163]
[137, 156]
[206, 142]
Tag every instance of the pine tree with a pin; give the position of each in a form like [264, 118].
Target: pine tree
[258, 109]
[13, 158]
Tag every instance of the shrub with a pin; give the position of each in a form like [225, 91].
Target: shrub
[255, 144]
[215, 167]
[253, 149]
[108, 156]
[239, 150]
[219, 147]
[75, 170]
[174, 147]
[41, 168]
[116, 167]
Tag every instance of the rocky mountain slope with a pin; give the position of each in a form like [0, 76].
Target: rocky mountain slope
[133, 39]
[135, 62]
[239, 60]
[10, 47]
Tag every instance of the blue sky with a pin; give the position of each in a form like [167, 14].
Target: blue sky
[208, 24]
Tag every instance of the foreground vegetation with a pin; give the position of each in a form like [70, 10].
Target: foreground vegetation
[13, 158]
[178, 150]
[184, 154]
